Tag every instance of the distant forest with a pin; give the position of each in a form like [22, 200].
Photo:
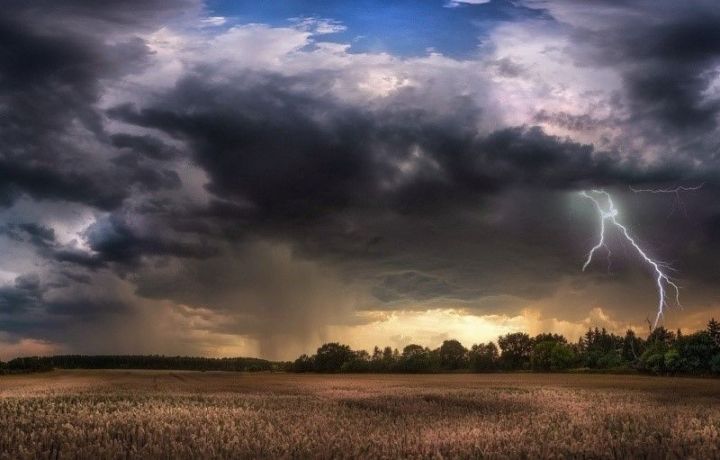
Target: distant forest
[45, 363]
[663, 352]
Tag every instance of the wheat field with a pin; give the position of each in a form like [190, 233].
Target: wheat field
[161, 414]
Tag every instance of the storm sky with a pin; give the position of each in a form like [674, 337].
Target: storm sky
[255, 178]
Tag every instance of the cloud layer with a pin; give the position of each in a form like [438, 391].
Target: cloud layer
[173, 181]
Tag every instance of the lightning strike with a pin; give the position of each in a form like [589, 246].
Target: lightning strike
[675, 190]
[608, 216]
[679, 204]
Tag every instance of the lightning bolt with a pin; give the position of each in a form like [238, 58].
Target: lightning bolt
[675, 190]
[608, 217]
[679, 204]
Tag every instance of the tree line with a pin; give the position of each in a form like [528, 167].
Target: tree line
[190, 363]
[662, 352]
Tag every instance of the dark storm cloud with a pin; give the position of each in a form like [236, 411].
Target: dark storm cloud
[86, 308]
[113, 240]
[143, 145]
[97, 317]
[400, 190]
[146, 177]
[54, 58]
[568, 121]
[417, 286]
[666, 53]
[677, 65]
[313, 198]
[38, 235]
[667, 56]
[43, 240]
[50, 182]
[294, 154]
[25, 293]
[63, 296]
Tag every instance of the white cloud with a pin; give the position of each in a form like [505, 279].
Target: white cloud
[546, 78]
[318, 26]
[213, 21]
[456, 3]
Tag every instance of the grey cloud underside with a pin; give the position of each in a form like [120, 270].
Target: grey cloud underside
[290, 153]
[668, 67]
[379, 191]
[411, 203]
[52, 67]
[666, 54]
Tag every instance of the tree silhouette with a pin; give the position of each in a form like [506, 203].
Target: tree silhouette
[516, 349]
[483, 357]
[663, 352]
[713, 329]
[452, 355]
[330, 357]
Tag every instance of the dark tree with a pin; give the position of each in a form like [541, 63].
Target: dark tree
[303, 364]
[547, 337]
[483, 357]
[715, 364]
[516, 349]
[331, 356]
[412, 351]
[415, 358]
[360, 362]
[632, 347]
[657, 346]
[600, 349]
[376, 360]
[141, 362]
[713, 329]
[691, 354]
[562, 356]
[452, 355]
[376, 354]
[540, 356]
[543, 347]
[388, 359]
[653, 358]
[660, 334]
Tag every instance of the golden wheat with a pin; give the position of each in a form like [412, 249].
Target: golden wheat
[146, 414]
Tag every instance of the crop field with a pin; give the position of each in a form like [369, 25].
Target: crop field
[162, 414]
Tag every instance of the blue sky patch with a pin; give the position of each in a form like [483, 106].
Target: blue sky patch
[400, 27]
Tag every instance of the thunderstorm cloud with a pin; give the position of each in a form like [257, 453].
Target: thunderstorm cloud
[224, 178]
